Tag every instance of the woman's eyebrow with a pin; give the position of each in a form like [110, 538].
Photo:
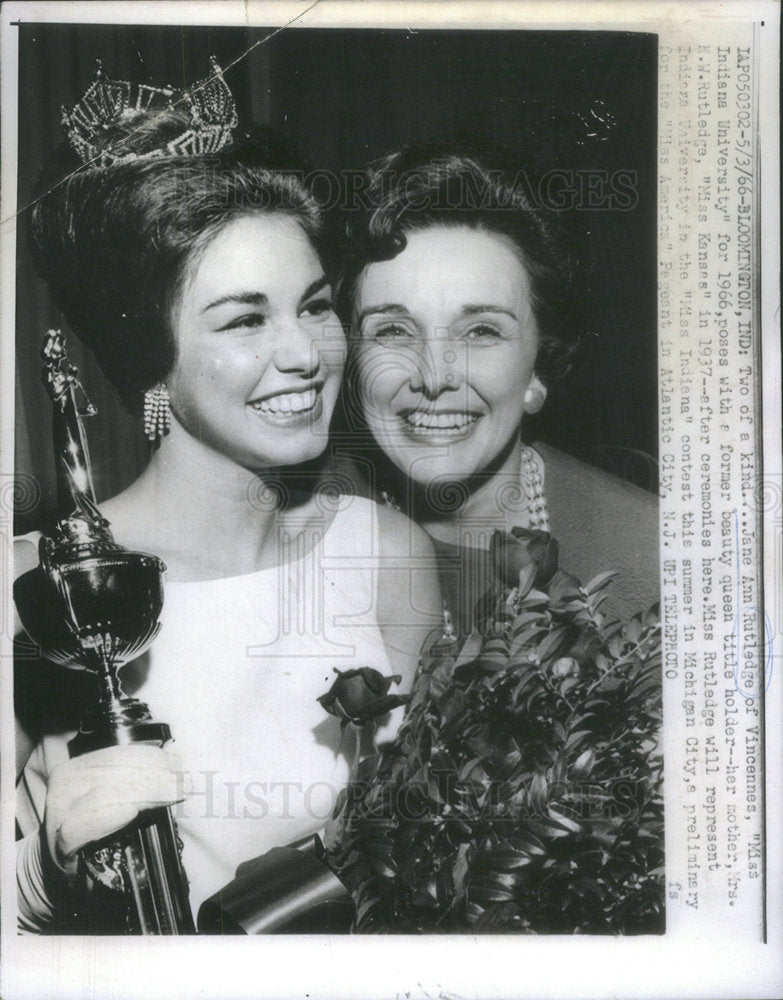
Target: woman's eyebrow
[385, 309]
[261, 299]
[315, 286]
[243, 298]
[472, 310]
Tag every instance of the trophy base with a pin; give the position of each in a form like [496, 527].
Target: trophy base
[136, 881]
[133, 880]
[126, 721]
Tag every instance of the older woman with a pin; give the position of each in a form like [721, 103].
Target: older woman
[457, 281]
[198, 270]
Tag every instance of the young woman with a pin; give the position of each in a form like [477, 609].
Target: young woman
[202, 281]
[456, 282]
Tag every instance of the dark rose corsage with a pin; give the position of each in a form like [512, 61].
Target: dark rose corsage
[361, 695]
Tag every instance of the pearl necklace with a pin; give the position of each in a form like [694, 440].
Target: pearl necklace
[531, 484]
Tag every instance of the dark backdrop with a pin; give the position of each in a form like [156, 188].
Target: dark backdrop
[583, 102]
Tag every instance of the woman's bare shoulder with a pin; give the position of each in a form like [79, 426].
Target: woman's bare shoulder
[399, 534]
[26, 553]
[128, 516]
[409, 602]
[25, 559]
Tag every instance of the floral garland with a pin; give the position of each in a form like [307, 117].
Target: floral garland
[523, 790]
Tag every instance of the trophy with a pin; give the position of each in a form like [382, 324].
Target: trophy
[93, 605]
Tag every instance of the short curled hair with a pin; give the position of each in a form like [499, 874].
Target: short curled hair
[114, 244]
[427, 185]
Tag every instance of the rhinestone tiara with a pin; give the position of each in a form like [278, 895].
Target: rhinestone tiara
[212, 111]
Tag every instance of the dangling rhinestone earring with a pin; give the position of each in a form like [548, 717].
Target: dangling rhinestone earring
[157, 414]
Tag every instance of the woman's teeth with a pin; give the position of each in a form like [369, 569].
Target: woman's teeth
[420, 420]
[287, 402]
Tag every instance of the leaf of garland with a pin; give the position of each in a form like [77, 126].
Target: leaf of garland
[600, 581]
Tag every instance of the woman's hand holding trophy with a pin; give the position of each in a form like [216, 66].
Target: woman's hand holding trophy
[93, 796]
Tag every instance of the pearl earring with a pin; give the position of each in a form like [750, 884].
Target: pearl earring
[535, 395]
[157, 414]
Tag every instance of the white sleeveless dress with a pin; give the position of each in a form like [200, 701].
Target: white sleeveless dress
[236, 671]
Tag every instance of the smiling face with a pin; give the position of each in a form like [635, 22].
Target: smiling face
[259, 351]
[446, 342]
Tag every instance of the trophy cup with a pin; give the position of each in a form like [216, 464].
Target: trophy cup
[93, 605]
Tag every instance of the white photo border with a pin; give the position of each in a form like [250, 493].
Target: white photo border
[362, 967]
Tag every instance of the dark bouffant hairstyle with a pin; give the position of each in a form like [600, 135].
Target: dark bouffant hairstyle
[114, 244]
[426, 185]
